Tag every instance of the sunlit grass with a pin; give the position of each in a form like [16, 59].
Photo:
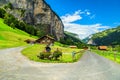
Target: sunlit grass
[10, 37]
[32, 51]
[110, 55]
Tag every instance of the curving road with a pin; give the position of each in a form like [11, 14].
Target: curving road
[14, 66]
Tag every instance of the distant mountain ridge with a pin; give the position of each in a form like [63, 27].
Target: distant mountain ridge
[107, 37]
[72, 34]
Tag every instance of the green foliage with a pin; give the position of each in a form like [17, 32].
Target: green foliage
[8, 19]
[9, 6]
[72, 34]
[107, 37]
[57, 54]
[44, 55]
[72, 40]
[43, 29]
[2, 13]
[10, 37]
[22, 12]
[109, 54]
[32, 51]
[116, 48]
[12, 25]
[13, 22]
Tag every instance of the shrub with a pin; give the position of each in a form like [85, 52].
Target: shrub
[8, 19]
[44, 55]
[57, 54]
[2, 13]
[9, 6]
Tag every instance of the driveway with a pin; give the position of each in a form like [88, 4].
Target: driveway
[14, 66]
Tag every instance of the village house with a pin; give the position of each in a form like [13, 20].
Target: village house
[85, 48]
[102, 47]
[45, 40]
[29, 41]
[72, 46]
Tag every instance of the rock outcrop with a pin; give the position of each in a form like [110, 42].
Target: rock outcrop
[37, 12]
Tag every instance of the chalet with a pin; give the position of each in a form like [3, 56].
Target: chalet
[85, 48]
[29, 41]
[72, 46]
[102, 47]
[45, 40]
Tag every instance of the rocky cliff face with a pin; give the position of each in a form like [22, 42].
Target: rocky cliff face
[36, 12]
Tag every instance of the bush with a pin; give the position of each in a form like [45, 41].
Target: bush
[44, 55]
[57, 54]
[9, 6]
[2, 13]
[8, 19]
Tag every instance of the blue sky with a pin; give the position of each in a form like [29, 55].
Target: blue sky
[85, 17]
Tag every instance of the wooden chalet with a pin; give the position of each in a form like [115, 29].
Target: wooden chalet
[85, 48]
[45, 40]
[102, 47]
[72, 46]
[29, 41]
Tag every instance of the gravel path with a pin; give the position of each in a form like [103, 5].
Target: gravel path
[14, 66]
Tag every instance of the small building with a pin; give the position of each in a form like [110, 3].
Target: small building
[102, 47]
[45, 40]
[72, 46]
[29, 41]
[85, 48]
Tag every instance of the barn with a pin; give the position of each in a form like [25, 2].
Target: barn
[102, 47]
[45, 40]
[72, 46]
[29, 41]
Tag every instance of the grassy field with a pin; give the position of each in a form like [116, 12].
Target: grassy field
[32, 51]
[109, 54]
[10, 37]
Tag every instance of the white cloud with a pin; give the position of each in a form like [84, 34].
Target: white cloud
[82, 30]
[71, 18]
[87, 12]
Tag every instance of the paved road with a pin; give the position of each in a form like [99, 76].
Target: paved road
[14, 66]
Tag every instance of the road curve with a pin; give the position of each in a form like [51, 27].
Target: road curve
[14, 66]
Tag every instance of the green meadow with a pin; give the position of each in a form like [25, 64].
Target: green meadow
[10, 37]
[32, 51]
[109, 54]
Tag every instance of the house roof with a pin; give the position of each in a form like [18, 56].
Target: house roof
[102, 47]
[46, 36]
[72, 46]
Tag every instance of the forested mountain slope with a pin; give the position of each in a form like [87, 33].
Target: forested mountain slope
[107, 37]
[10, 37]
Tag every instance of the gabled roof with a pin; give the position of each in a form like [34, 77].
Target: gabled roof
[102, 47]
[47, 37]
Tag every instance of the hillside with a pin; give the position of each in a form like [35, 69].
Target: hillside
[36, 13]
[107, 37]
[72, 39]
[72, 34]
[10, 37]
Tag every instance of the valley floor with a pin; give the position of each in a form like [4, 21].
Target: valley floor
[14, 66]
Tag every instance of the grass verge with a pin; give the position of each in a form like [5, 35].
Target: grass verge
[109, 55]
[31, 52]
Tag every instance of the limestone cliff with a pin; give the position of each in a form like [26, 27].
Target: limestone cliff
[36, 12]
